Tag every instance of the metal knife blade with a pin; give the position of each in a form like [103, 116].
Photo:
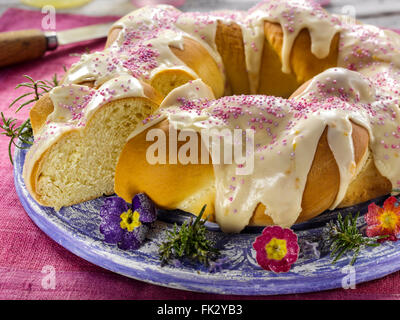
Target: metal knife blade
[91, 32]
[24, 45]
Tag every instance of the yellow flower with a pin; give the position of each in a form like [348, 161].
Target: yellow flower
[130, 220]
[384, 221]
[389, 220]
[276, 249]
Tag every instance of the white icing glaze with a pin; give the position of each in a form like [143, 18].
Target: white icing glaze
[362, 45]
[192, 90]
[286, 135]
[74, 105]
[286, 131]
[275, 167]
[96, 67]
[150, 31]
[293, 16]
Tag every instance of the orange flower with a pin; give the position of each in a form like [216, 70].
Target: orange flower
[384, 221]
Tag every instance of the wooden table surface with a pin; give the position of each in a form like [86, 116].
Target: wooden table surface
[385, 13]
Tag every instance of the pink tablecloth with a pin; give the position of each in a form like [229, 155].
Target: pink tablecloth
[26, 252]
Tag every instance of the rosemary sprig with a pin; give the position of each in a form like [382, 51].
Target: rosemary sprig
[38, 88]
[14, 132]
[343, 236]
[24, 132]
[190, 241]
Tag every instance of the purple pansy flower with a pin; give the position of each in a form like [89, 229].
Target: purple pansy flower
[124, 224]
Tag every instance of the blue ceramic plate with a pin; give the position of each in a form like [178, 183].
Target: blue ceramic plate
[77, 229]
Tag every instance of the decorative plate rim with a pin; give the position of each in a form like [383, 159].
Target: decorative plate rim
[196, 279]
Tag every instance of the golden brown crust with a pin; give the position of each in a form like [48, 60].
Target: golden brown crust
[166, 184]
[112, 36]
[35, 173]
[169, 185]
[229, 42]
[303, 63]
[323, 179]
[152, 94]
[173, 183]
[369, 184]
[272, 80]
[197, 58]
[44, 106]
[39, 112]
[33, 178]
[321, 187]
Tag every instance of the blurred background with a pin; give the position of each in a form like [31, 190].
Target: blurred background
[385, 13]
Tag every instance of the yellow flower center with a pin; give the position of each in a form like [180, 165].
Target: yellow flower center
[389, 220]
[130, 220]
[276, 249]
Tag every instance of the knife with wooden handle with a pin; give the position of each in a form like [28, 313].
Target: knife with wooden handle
[24, 45]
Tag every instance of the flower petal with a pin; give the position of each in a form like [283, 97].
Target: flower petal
[373, 230]
[145, 206]
[110, 219]
[129, 241]
[111, 212]
[112, 232]
[389, 204]
[372, 217]
[384, 221]
[113, 206]
[141, 232]
[280, 266]
[292, 248]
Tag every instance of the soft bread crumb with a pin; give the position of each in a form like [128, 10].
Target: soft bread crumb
[80, 166]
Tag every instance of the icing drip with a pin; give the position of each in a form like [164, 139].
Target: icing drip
[367, 100]
[293, 16]
[286, 132]
[278, 165]
[143, 45]
[73, 107]
[141, 49]
[364, 45]
[97, 67]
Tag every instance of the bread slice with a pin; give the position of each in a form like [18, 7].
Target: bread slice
[79, 164]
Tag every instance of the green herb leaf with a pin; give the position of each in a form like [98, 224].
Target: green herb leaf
[14, 132]
[343, 237]
[23, 132]
[190, 241]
